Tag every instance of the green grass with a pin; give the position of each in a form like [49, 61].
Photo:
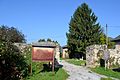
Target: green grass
[76, 62]
[46, 74]
[106, 79]
[107, 72]
[59, 75]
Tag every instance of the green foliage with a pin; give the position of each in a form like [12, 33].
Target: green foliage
[111, 45]
[11, 34]
[41, 40]
[106, 72]
[49, 40]
[106, 79]
[76, 62]
[12, 64]
[83, 31]
[103, 41]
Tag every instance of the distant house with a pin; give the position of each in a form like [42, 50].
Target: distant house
[65, 52]
[117, 41]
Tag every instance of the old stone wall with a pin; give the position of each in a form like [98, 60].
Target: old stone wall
[23, 47]
[97, 53]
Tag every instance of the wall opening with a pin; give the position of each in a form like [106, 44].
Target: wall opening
[102, 63]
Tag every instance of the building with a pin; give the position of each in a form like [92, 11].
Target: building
[117, 41]
[65, 52]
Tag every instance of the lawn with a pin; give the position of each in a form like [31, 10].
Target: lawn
[47, 74]
[107, 72]
[106, 79]
[76, 62]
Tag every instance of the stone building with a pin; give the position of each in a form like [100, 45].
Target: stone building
[98, 55]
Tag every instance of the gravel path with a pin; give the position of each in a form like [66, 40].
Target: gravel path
[80, 72]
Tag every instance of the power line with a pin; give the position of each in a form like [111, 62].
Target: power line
[114, 26]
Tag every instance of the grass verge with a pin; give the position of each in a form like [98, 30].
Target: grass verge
[76, 62]
[59, 75]
[47, 74]
[107, 72]
[106, 79]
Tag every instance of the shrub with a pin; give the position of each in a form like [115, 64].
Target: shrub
[12, 63]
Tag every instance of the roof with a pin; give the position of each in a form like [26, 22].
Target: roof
[44, 44]
[117, 38]
[65, 46]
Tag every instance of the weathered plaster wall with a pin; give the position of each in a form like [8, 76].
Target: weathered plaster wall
[65, 53]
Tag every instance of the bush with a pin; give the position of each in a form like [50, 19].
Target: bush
[12, 63]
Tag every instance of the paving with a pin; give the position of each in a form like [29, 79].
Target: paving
[80, 72]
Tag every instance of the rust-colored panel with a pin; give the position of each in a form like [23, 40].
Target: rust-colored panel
[42, 54]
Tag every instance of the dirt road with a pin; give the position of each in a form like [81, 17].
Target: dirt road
[80, 72]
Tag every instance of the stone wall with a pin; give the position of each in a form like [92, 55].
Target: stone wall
[23, 47]
[96, 53]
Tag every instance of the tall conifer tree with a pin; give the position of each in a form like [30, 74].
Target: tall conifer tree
[83, 31]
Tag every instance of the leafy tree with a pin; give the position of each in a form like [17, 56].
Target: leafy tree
[12, 63]
[102, 39]
[49, 40]
[111, 44]
[83, 31]
[11, 34]
[41, 40]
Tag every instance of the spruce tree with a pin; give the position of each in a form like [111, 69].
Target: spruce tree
[83, 31]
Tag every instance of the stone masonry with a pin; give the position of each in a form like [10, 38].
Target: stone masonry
[95, 53]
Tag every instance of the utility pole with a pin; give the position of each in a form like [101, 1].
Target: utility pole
[106, 44]
[106, 35]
